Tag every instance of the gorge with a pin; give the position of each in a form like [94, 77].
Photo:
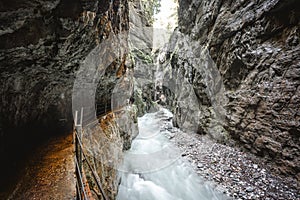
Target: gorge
[229, 72]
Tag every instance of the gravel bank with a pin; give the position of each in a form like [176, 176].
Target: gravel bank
[233, 172]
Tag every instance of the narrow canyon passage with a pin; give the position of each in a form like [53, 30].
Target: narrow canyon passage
[170, 99]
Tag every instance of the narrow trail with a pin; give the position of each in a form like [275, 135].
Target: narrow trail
[49, 173]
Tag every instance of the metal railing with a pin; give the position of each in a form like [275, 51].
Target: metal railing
[82, 186]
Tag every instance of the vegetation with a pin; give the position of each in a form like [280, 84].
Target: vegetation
[151, 8]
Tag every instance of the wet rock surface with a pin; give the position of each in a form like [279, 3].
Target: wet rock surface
[254, 46]
[240, 175]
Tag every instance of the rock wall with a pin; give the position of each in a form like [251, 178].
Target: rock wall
[104, 144]
[141, 43]
[41, 47]
[254, 46]
[193, 87]
[44, 45]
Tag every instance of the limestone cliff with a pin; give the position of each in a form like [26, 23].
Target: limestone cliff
[243, 56]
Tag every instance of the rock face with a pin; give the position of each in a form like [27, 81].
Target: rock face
[255, 47]
[104, 144]
[141, 43]
[41, 47]
[195, 86]
[44, 47]
[40, 50]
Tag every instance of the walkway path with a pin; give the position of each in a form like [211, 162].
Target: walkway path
[50, 172]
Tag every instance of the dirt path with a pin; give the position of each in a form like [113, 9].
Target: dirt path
[49, 173]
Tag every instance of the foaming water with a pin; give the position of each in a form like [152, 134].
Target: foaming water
[153, 168]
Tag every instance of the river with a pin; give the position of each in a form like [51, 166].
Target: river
[154, 170]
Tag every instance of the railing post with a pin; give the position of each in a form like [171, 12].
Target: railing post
[80, 137]
[81, 117]
[78, 150]
[75, 120]
[79, 132]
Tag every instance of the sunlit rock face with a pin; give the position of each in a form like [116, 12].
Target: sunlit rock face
[255, 47]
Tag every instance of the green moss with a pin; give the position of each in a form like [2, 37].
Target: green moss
[146, 58]
[139, 103]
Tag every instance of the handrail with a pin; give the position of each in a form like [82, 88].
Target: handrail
[104, 114]
[81, 157]
[90, 167]
[80, 181]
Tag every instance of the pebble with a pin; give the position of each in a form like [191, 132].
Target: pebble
[237, 174]
[200, 165]
[249, 189]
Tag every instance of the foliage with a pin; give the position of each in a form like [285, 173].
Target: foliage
[151, 7]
